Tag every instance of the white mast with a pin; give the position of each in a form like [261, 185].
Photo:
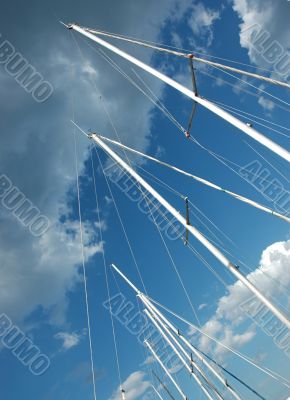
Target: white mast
[196, 378]
[165, 370]
[192, 56]
[203, 181]
[207, 104]
[150, 306]
[154, 310]
[195, 232]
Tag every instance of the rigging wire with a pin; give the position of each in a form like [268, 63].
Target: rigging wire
[83, 263]
[171, 189]
[241, 114]
[254, 86]
[239, 88]
[106, 274]
[268, 162]
[84, 269]
[226, 106]
[226, 162]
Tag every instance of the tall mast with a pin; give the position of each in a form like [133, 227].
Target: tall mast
[158, 315]
[165, 324]
[192, 56]
[276, 148]
[186, 365]
[202, 180]
[195, 232]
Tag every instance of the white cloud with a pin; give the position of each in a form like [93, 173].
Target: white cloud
[135, 386]
[202, 20]
[271, 17]
[149, 360]
[69, 340]
[202, 306]
[225, 323]
[267, 104]
[40, 273]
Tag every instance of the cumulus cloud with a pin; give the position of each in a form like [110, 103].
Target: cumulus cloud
[68, 339]
[135, 386]
[266, 103]
[202, 306]
[39, 273]
[226, 322]
[202, 20]
[43, 270]
[267, 21]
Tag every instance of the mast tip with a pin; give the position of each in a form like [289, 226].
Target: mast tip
[68, 26]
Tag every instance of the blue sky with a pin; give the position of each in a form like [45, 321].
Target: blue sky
[42, 289]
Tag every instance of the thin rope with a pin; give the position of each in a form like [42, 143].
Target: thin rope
[225, 161]
[240, 88]
[116, 208]
[254, 117]
[105, 270]
[207, 183]
[168, 114]
[165, 111]
[170, 256]
[268, 162]
[175, 269]
[250, 84]
[241, 114]
[213, 224]
[196, 253]
[84, 270]
[210, 268]
[121, 223]
[260, 367]
[231, 374]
